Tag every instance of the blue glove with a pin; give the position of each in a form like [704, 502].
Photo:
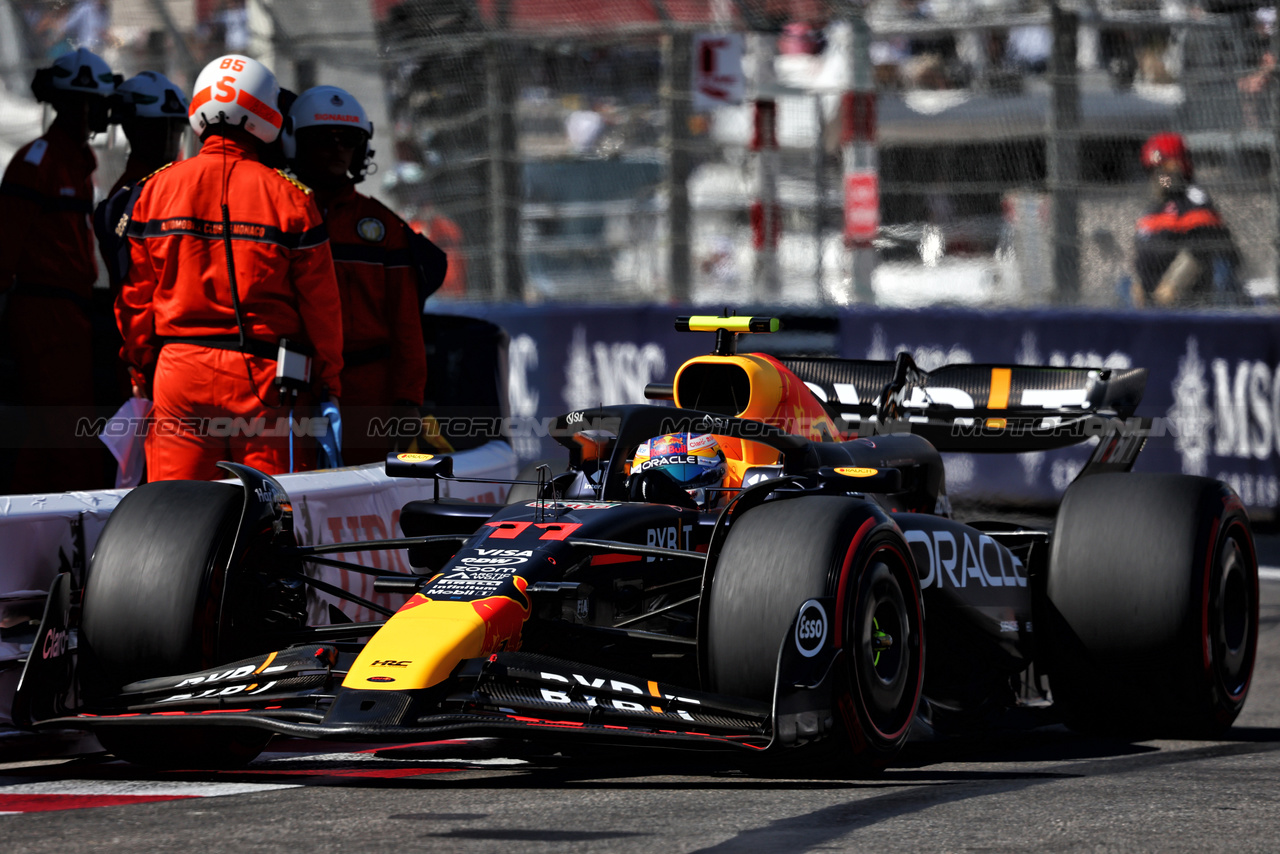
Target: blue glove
[331, 442]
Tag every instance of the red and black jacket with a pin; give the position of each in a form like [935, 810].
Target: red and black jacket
[1187, 220]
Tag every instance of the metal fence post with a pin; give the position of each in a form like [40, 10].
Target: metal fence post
[765, 212]
[819, 160]
[505, 194]
[677, 81]
[1063, 156]
[1273, 98]
[861, 164]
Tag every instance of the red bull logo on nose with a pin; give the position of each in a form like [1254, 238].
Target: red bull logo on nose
[504, 618]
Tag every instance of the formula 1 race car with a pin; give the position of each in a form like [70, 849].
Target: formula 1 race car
[823, 595]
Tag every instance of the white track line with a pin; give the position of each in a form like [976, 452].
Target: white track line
[141, 788]
[1269, 573]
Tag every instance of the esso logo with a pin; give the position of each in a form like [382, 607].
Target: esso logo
[811, 628]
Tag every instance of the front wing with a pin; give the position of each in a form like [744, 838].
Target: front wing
[297, 692]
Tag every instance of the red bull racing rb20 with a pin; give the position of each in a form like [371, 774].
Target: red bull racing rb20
[797, 579]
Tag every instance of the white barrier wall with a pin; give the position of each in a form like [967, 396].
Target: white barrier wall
[41, 535]
[364, 504]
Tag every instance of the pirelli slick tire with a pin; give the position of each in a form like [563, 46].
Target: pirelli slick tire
[783, 553]
[152, 606]
[1152, 605]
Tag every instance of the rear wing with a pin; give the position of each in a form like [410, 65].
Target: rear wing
[973, 407]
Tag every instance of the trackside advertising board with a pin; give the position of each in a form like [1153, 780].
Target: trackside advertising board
[1214, 384]
[1213, 388]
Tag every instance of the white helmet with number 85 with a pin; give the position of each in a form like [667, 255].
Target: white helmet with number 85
[238, 91]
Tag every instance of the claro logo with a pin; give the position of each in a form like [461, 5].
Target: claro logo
[811, 628]
[55, 643]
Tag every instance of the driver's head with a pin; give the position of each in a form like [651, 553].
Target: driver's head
[693, 460]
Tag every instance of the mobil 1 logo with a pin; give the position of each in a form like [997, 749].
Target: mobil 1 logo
[811, 628]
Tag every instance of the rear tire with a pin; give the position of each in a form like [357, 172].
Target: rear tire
[1152, 605]
[782, 553]
[152, 607]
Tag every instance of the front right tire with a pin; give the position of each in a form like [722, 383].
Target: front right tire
[153, 607]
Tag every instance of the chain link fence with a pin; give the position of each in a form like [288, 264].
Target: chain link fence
[553, 146]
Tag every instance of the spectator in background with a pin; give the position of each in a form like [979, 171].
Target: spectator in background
[88, 24]
[384, 359]
[47, 267]
[447, 234]
[1027, 48]
[232, 19]
[803, 38]
[222, 26]
[46, 28]
[584, 127]
[1183, 252]
[925, 60]
[1256, 85]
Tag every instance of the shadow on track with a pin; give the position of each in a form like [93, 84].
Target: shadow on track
[511, 765]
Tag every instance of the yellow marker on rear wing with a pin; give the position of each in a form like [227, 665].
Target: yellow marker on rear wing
[1001, 380]
[707, 323]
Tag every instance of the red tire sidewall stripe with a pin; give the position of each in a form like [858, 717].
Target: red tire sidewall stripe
[841, 594]
[842, 588]
[915, 599]
[1206, 642]
[1246, 543]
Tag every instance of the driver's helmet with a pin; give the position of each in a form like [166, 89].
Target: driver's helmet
[692, 460]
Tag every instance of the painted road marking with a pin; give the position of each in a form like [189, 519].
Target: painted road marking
[52, 795]
[294, 763]
[1269, 573]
